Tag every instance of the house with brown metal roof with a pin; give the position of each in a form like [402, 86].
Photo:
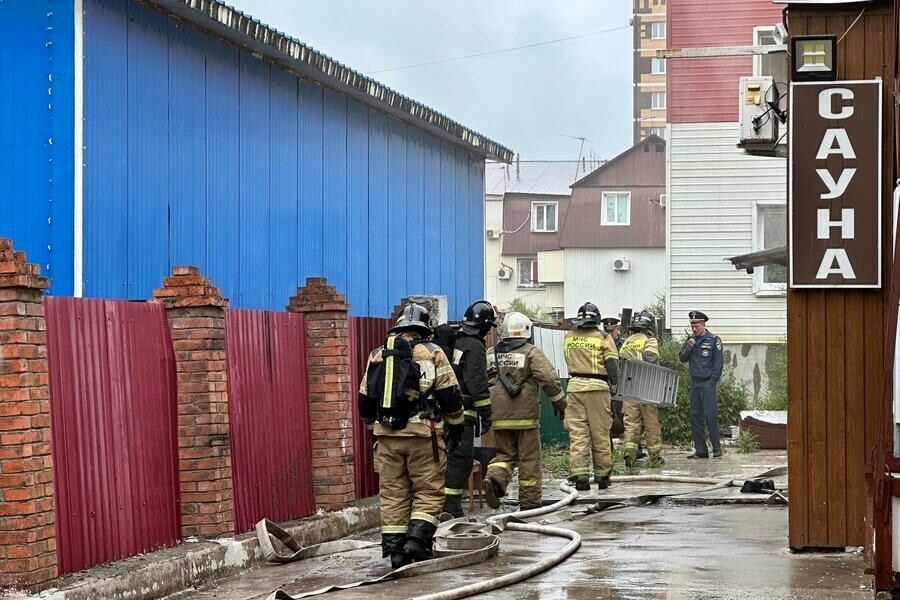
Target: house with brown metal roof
[599, 236]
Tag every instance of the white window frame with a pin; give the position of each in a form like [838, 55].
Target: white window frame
[653, 35]
[661, 133]
[761, 288]
[542, 204]
[534, 262]
[653, 96]
[603, 208]
[657, 66]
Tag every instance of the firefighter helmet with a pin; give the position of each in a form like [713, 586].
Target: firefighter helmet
[588, 316]
[413, 317]
[516, 326]
[479, 318]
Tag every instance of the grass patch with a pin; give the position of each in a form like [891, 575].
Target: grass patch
[746, 443]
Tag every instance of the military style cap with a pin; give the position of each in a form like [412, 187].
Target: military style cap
[696, 315]
[610, 321]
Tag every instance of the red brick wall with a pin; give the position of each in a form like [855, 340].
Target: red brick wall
[27, 536]
[196, 315]
[328, 367]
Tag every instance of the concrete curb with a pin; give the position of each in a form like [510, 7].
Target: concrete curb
[166, 572]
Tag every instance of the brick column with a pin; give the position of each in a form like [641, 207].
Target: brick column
[196, 314]
[328, 367]
[27, 534]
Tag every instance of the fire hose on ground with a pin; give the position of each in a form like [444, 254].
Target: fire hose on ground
[464, 534]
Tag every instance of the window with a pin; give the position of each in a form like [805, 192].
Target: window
[771, 232]
[658, 66]
[660, 131]
[658, 100]
[528, 275]
[616, 207]
[543, 216]
[658, 30]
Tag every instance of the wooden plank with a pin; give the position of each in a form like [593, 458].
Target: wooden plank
[854, 48]
[798, 398]
[855, 459]
[835, 424]
[798, 473]
[817, 418]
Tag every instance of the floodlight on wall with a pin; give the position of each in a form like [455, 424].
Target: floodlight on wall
[813, 58]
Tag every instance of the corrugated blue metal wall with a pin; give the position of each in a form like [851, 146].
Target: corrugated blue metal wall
[198, 153]
[36, 133]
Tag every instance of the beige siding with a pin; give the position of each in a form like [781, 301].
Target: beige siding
[712, 189]
[590, 277]
[551, 266]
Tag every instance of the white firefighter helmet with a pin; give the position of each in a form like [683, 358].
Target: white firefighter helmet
[516, 326]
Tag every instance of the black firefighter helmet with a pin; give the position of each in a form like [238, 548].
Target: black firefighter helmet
[643, 321]
[413, 317]
[588, 316]
[479, 318]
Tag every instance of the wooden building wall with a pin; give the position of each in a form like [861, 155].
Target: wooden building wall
[836, 338]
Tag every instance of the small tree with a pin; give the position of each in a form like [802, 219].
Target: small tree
[532, 312]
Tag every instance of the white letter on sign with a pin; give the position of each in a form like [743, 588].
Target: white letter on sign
[827, 267]
[844, 147]
[824, 225]
[835, 188]
[825, 103]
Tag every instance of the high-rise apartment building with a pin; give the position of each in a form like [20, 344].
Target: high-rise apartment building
[649, 72]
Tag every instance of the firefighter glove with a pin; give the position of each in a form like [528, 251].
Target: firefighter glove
[485, 425]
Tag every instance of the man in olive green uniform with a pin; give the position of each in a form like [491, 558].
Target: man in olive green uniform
[642, 345]
[593, 368]
[522, 371]
[410, 455]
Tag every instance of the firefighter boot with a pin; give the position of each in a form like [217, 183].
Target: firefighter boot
[453, 505]
[630, 460]
[582, 484]
[419, 539]
[603, 482]
[492, 492]
[392, 546]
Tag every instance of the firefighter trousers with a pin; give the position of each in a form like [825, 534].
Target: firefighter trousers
[588, 419]
[635, 415]
[411, 482]
[459, 466]
[520, 447]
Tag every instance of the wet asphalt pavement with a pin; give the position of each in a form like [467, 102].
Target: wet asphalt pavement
[668, 550]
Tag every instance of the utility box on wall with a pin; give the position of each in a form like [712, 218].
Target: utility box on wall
[759, 124]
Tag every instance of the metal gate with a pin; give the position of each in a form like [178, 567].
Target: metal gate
[114, 428]
[269, 416]
[366, 333]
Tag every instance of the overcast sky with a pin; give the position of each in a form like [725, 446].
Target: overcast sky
[526, 99]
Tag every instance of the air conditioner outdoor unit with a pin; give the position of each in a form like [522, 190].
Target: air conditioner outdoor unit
[621, 264]
[504, 273]
[493, 234]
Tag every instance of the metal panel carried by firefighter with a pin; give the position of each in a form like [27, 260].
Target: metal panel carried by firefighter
[268, 411]
[366, 333]
[113, 408]
[646, 383]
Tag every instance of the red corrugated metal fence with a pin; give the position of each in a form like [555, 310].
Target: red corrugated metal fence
[114, 429]
[269, 416]
[366, 333]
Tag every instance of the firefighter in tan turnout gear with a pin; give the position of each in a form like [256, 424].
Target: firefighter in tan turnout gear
[593, 369]
[642, 345]
[411, 398]
[522, 370]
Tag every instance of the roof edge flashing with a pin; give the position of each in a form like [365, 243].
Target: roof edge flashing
[260, 39]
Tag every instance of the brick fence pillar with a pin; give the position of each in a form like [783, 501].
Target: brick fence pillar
[27, 534]
[328, 367]
[196, 314]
